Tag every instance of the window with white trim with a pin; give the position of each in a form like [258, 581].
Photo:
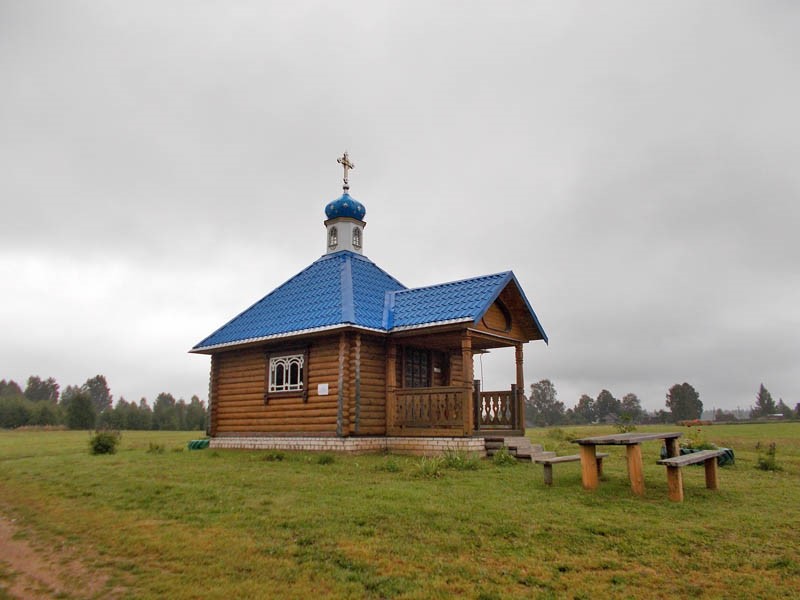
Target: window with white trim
[286, 373]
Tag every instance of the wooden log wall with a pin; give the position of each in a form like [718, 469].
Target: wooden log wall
[368, 401]
[239, 379]
[238, 383]
[212, 396]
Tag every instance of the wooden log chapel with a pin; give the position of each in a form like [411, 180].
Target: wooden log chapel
[345, 357]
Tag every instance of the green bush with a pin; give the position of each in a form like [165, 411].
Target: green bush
[695, 440]
[504, 458]
[325, 459]
[104, 442]
[429, 467]
[390, 465]
[155, 448]
[768, 463]
[625, 424]
[274, 456]
[460, 460]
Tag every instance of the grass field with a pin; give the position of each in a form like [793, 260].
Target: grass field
[237, 524]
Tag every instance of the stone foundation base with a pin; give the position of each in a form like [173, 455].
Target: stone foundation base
[423, 446]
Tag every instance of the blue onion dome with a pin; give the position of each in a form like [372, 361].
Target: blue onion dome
[346, 206]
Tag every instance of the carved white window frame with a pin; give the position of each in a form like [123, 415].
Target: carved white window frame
[286, 373]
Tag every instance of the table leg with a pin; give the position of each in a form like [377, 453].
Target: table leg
[589, 467]
[636, 468]
[672, 447]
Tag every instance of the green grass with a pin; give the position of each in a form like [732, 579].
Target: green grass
[221, 524]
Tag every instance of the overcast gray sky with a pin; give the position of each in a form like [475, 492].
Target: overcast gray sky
[636, 164]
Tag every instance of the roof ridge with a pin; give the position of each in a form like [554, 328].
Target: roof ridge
[466, 279]
[361, 257]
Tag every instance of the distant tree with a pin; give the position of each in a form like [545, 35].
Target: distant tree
[721, 415]
[797, 411]
[39, 390]
[45, 413]
[584, 410]
[180, 414]
[15, 411]
[97, 387]
[80, 412]
[10, 388]
[195, 415]
[69, 393]
[164, 413]
[684, 402]
[114, 417]
[765, 405]
[662, 416]
[142, 417]
[782, 408]
[543, 408]
[606, 405]
[631, 407]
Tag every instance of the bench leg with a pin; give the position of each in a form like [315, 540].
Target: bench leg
[636, 469]
[675, 484]
[711, 473]
[599, 466]
[589, 467]
[548, 474]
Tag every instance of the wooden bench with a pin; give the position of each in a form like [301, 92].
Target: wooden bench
[674, 464]
[549, 461]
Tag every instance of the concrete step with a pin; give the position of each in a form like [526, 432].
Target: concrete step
[520, 447]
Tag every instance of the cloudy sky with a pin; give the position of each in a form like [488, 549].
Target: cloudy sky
[637, 165]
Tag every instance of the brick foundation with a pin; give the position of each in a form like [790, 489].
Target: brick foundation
[423, 446]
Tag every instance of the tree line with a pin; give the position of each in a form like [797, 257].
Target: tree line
[542, 407]
[91, 405]
[767, 407]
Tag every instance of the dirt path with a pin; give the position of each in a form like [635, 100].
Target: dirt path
[28, 571]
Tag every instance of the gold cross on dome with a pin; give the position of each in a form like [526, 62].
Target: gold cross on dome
[347, 165]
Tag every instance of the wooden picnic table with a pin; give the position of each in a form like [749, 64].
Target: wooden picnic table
[632, 443]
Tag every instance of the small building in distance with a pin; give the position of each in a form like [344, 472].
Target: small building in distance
[345, 357]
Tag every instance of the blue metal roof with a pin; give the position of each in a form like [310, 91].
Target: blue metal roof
[464, 300]
[457, 300]
[346, 288]
[339, 288]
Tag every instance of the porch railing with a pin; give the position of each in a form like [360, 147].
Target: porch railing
[430, 411]
[496, 410]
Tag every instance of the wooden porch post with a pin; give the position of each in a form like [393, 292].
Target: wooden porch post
[466, 366]
[520, 399]
[391, 385]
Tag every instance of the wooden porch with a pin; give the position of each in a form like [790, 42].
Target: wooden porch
[455, 411]
[460, 408]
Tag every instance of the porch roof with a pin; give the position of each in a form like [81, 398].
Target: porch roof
[466, 300]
